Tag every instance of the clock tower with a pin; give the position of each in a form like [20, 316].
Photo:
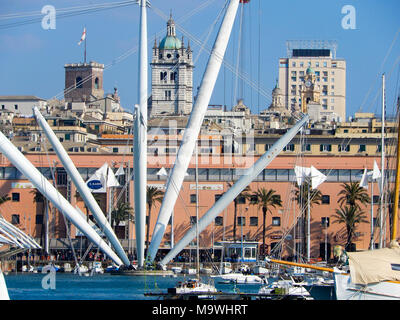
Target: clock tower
[309, 91]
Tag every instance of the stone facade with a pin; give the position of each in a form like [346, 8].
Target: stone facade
[172, 76]
[83, 82]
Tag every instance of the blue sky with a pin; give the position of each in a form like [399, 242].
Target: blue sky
[32, 59]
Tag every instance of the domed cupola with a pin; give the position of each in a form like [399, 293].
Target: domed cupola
[170, 41]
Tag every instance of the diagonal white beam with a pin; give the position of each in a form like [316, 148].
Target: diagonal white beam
[83, 189]
[51, 193]
[193, 127]
[235, 190]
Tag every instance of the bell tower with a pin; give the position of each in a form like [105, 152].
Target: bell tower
[172, 75]
[310, 92]
[83, 82]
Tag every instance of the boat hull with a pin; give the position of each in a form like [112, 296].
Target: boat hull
[346, 290]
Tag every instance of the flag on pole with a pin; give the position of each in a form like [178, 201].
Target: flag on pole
[376, 173]
[364, 179]
[83, 37]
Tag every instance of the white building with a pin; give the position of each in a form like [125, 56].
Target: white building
[21, 105]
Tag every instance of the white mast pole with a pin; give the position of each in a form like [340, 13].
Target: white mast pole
[235, 190]
[81, 186]
[193, 127]
[372, 214]
[51, 193]
[140, 140]
[308, 222]
[382, 163]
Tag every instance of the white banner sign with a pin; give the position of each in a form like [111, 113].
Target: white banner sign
[22, 185]
[207, 187]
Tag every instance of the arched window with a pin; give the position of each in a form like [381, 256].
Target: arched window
[78, 82]
[163, 76]
[173, 76]
[96, 83]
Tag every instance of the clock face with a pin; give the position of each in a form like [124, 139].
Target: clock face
[308, 83]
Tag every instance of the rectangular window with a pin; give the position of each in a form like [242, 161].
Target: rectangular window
[241, 221]
[344, 147]
[219, 221]
[15, 219]
[168, 95]
[67, 136]
[39, 219]
[115, 150]
[276, 221]
[325, 199]
[362, 148]
[16, 107]
[289, 147]
[325, 147]
[325, 222]
[193, 198]
[15, 196]
[193, 219]
[305, 147]
[253, 221]
[217, 196]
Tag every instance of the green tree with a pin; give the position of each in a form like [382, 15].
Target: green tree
[39, 198]
[123, 212]
[350, 216]
[266, 199]
[353, 195]
[153, 195]
[4, 198]
[242, 195]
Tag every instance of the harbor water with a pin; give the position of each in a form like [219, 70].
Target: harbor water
[66, 286]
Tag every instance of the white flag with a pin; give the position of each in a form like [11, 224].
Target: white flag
[97, 183]
[83, 37]
[301, 174]
[162, 172]
[364, 180]
[111, 179]
[376, 174]
[120, 171]
[317, 177]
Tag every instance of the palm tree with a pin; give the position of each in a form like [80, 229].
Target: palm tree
[350, 216]
[301, 197]
[242, 195]
[265, 199]
[122, 212]
[4, 198]
[153, 195]
[353, 194]
[39, 198]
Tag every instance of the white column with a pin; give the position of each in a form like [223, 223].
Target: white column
[47, 189]
[81, 186]
[140, 140]
[193, 127]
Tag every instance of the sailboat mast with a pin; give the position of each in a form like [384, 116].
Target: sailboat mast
[197, 212]
[382, 162]
[397, 186]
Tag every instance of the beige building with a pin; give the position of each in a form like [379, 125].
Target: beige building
[327, 85]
